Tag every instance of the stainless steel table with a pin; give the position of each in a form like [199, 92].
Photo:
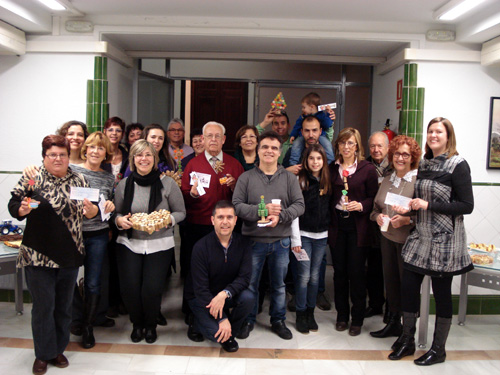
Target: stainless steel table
[487, 276]
[8, 258]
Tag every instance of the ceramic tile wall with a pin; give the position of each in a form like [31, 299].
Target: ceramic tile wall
[97, 96]
[411, 116]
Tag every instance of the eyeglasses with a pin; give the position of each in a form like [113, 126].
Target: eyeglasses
[176, 130]
[55, 156]
[141, 156]
[248, 137]
[347, 144]
[404, 155]
[213, 136]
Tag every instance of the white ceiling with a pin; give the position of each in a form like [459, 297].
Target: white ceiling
[371, 29]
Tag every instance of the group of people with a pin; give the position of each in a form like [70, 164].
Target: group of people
[239, 217]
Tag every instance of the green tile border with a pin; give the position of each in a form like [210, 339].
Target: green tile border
[97, 105]
[412, 106]
[476, 304]
[7, 295]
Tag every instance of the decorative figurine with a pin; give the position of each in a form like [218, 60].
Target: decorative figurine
[345, 214]
[263, 212]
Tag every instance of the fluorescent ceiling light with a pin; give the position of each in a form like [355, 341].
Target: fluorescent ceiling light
[455, 8]
[53, 4]
[488, 23]
[16, 9]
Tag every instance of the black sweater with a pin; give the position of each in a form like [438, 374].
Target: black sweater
[211, 273]
[316, 216]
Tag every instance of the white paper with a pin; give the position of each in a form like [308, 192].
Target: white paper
[203, 179]
[262, 225]
[392, 199]
[201, 190]
[301, 255]
[104, 216]
[194, 177]
[79, 193]
[322, 107]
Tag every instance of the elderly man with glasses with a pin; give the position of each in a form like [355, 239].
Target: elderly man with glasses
[208, 178]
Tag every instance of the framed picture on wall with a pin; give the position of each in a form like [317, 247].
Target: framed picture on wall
[493, 161]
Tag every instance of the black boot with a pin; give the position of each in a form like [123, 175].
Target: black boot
[91, 304]
[301, 322]
[311, 322]
[407, 338]
[393, 327]
[436, 353]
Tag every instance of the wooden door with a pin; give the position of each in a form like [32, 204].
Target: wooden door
[221, 101]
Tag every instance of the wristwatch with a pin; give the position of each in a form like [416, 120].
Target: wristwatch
[411, 221]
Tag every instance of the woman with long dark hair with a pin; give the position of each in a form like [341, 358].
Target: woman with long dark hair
[310, 232]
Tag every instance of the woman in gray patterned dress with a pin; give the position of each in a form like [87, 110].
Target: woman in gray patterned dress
[437, 246]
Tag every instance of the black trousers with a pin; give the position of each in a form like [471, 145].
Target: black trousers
[236, 309]
[52, 293]
[375, 278]
[142, 280]
[193, 233]
[393, 272]
[349, 276]
[441, 288]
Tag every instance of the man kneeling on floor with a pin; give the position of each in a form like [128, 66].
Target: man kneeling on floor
[217, 287]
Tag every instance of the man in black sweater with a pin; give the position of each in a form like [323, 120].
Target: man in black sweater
[217, 286]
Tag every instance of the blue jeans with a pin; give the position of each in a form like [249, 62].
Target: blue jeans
[95, 251]
[276, 254]
[298, 148]
[308, 273]
[52, 293]
[241, 305]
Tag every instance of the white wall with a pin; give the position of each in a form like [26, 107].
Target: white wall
[461, 92]
[120, 91]
[38, 93]
[384, 100]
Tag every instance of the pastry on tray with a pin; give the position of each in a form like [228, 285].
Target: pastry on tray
[481, 259]
[13, 244]
[156, 220]
[482, 246]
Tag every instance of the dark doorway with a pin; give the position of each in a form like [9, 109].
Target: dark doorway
[221, 101]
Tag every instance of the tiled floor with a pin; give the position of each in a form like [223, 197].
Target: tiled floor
[473, 348]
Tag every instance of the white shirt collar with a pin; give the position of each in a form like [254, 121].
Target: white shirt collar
[218, 156]
[407, 177]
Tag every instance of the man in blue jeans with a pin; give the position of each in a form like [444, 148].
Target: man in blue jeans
[271, 242]
[217, 285]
